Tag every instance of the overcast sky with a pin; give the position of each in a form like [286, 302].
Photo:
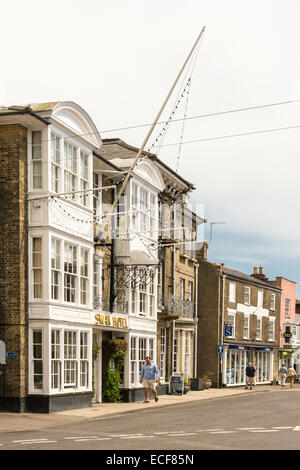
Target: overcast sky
[118, 59]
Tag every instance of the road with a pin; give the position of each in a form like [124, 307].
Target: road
[250, 421]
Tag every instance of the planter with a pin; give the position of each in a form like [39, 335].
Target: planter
[207, 383]
[197, 383]
[186, 389]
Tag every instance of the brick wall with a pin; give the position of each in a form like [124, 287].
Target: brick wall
[13, 265]
[209, 311]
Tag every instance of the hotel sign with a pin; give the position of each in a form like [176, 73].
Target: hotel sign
[111, 320]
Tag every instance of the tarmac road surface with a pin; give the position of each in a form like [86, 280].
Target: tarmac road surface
[269, 421]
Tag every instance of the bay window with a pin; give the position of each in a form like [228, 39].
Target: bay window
[37, 268]
[70, 363]
[36, 157]
[55, 268]
[55, 162]
[84, 265]
[83, 359]
[70, 157]
[37, 355]
[70, 271]
[84, 176]
[55, 359]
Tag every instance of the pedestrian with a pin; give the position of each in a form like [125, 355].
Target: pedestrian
[291, 374]
[282, 375]
[149, 377]
[250, 375]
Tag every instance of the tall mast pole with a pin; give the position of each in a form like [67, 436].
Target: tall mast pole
[155, 122]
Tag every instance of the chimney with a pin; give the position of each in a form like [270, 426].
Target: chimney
[259, 275]
[222, 264]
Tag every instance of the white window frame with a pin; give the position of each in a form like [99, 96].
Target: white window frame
[246, 319]
[163, 344]
[38, 359]
[55, 158]
[55, 358]
[37, 269]
[70, 169]
[258, 330]
[56, 263]
[233, 315]
[247, 295]
[287, 308]
[260, 298]
[84, 276]
[271, 330]
[272, 301]
[232, 291]
[37, 160]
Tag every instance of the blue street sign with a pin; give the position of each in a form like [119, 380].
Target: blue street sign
[220, 348]
[11, 355]
[228, 330]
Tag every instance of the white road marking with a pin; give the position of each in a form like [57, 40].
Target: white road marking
[296, 428]
[31, 440]
[136, 437]
[81, 437]
[182, 434]
[247, 429]
[95, 439]
[125, 435]
[209, 430]
[266, 430]
[282, 427]
[37, 442]
[222, 432]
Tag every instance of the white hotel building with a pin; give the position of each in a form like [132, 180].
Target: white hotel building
[64, 300]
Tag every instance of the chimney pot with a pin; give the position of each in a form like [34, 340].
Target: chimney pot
[261, 269]
[254, 270]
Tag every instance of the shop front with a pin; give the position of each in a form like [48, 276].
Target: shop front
[235, 360]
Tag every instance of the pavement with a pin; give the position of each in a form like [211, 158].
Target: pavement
[12, 422]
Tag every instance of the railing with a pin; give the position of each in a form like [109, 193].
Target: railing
[184, 308]
[120, 306]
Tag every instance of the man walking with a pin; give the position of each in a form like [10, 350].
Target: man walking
[282, 375]
[149, 377]
[250, 374]
[291, 374]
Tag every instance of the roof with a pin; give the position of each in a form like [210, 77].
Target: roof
[247, 278]
[126, 159]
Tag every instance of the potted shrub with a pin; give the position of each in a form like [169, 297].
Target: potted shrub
[207, 381]
[186, 385]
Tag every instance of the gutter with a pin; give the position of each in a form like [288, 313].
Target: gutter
[26, 111]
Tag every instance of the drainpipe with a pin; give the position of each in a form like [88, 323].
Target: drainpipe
[173, 321]
[222, 331]
[196, 318]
